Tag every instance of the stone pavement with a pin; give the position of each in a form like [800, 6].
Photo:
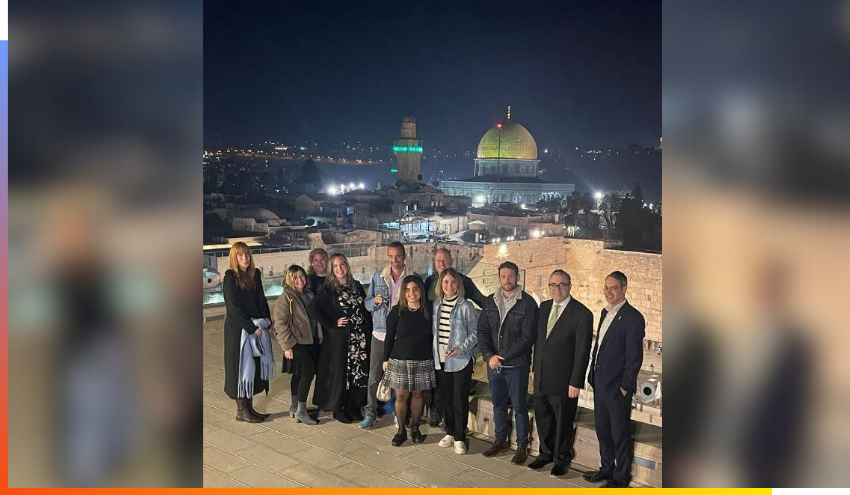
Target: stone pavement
[281, 453]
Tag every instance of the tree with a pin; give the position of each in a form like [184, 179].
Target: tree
[578, 203]
[310, 175]
[610, 207]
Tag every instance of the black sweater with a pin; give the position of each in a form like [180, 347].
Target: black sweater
[408, 335]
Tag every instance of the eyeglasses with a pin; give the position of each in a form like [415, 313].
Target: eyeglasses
[605, 288]
[561, 286]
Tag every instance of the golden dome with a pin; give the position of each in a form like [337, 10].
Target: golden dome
[516, 143]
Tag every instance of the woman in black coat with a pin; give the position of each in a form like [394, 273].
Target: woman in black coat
[343, 370]
[245, 300]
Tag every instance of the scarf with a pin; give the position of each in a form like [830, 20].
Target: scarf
[250, 347]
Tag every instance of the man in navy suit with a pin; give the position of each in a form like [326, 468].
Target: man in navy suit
[561, 354]
[614, 366]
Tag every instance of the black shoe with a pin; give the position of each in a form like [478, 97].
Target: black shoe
[615, 484]
[254, 411]
[494, 449]
[418, 437]
[538, 463]
[521, 455]
[341, 416]
[597, 476]
[400, 438]
[435, 419]
[243, 412]
[354, 414]
[559, 470]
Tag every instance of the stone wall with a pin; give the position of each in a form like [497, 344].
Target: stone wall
[588, 262]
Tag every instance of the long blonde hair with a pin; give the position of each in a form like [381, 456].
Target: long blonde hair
[331, 278]
[455, 275]
[245, 279]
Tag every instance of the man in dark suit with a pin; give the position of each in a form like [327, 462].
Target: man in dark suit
[614, 366]
[561, 354]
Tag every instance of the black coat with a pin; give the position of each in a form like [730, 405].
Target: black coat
[333, 361]
[242, 306]
[512, 339]
[561, 360]
[470, 290]
[620, 354]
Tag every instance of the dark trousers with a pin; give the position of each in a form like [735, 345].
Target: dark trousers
[613, 429]
[306, 358]
[554, 416]
[510, 383]
[454, 391]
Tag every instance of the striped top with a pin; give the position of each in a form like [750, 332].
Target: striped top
[445, 326]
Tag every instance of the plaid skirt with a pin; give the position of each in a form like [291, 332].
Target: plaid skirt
[404, 374]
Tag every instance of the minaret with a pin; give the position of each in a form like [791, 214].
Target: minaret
[408, 153]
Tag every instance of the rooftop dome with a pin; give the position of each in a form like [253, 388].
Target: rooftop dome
[516, 143]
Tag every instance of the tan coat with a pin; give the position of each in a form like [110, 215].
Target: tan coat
[296, 331]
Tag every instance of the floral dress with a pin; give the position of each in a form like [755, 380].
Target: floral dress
[352, 306]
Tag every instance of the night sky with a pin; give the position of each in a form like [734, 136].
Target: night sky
[576, 73]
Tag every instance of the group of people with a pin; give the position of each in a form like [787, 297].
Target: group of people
[421, 335]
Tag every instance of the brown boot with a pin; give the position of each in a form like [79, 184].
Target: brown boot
[521, 455]
[254, 411]
[494, 449]
[243, 412]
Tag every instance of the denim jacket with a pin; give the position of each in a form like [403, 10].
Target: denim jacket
[464, 321]
[380, 284]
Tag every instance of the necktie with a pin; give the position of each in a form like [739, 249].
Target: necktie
[553, 317]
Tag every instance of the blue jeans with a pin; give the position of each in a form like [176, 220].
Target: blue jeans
[510, 383]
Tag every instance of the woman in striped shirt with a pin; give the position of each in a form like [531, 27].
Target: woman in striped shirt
[455, 338]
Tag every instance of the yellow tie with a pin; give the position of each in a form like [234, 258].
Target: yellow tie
[553, 317]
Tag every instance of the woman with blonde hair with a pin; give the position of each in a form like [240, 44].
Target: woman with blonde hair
[300, 337]
[248, 311]
[318, 269]
[454, 340]
[343, 370]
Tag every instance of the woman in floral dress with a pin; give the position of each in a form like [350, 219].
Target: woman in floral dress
[343, 370]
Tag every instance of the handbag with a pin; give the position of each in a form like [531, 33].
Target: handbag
[384, 390]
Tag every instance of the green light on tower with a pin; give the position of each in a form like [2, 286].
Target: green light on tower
[407, 149]
[394, 170]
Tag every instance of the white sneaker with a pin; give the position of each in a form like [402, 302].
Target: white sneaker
[460, 447]
[446, 441]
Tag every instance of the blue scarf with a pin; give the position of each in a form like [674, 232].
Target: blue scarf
[250, 347]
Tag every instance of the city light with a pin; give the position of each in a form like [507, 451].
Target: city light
[332, 190]
[598, 195]
[362, 186]
[479, 199]
[503, 250]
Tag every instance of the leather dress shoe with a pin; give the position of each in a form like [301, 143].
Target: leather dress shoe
[521, 455]
[597, 476]
[538, 463]
[254, 411]
[495, 449]
[615, 484]
[559, 469]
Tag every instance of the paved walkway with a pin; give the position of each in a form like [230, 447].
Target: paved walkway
[281, 453]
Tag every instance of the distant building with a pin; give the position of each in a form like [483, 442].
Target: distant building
[408, 154]
[506, 170]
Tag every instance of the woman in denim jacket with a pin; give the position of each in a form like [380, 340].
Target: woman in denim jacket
[455, 339]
